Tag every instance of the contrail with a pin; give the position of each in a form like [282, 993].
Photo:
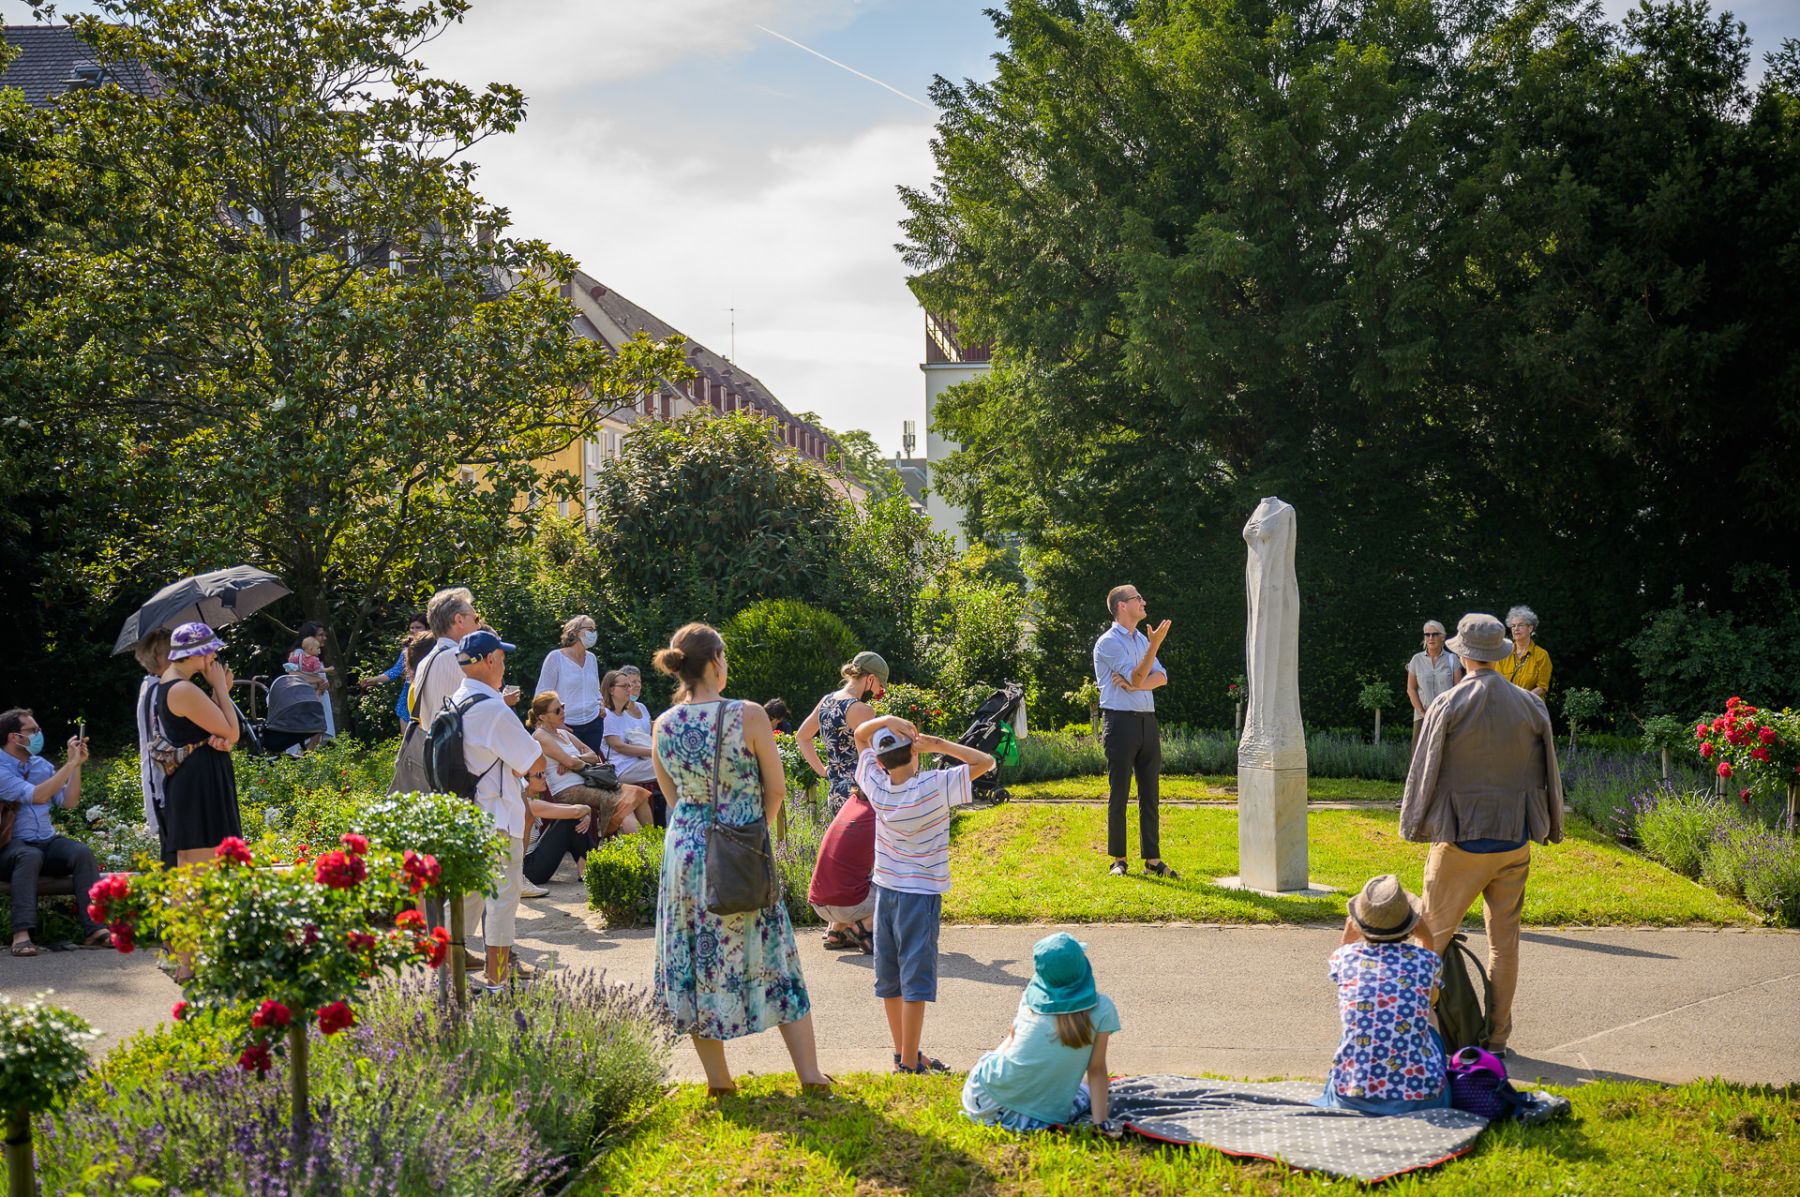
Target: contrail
[843, 67]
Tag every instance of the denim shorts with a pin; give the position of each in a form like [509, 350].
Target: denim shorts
[979, 1107]
[906, 944]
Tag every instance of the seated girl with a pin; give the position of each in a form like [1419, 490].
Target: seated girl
[1034, 1079]
[1391, 1059]
[615, 809]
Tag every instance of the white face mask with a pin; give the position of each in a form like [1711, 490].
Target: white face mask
[588, 638]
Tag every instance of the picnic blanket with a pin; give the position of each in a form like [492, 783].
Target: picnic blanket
[1277, 1121]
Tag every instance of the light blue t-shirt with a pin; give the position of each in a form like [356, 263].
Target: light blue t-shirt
[17, 780]
[1033, 1073]
[1118, 651]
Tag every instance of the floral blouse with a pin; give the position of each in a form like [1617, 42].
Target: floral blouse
[1384, 998]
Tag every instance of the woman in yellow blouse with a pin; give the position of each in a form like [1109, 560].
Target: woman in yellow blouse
[1528, 666]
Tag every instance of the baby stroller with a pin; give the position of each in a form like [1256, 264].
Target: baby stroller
[998, 723]
[295, 720]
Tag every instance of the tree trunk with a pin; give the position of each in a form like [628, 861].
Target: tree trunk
[21, 1177]
[1237, 720]
[1377, 725]
[301, 1118]
[434, 917]
[459, 969]
[1668, 777]
[1094, 717]
[1793, 801]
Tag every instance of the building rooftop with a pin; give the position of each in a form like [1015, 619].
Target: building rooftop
[52, 60]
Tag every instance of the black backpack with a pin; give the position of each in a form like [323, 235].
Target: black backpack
[446, 766]
[1461, 1012]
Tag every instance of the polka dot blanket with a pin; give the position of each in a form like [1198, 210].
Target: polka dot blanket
[1277, 1121]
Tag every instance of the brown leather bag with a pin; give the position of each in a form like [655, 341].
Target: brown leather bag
[9, 814]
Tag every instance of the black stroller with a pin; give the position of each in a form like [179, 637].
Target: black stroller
[992, 732]
[295, 719]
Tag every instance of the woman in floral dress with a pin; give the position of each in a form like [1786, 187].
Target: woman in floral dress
[720, 977]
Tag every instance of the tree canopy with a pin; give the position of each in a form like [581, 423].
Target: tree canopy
[1491, 294]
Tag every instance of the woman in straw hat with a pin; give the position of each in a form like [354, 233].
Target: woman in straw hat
[1390, 1059]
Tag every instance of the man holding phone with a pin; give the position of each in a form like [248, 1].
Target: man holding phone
[29, 845]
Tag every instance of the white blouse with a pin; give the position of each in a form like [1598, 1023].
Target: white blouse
[577, 685]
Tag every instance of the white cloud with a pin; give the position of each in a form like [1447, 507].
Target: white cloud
[802, 247]
[547, 46]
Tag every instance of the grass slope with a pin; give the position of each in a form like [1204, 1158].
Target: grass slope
[1047, 863]
[880, 1136]
[1212, 787]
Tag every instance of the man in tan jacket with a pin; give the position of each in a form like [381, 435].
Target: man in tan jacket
[1482, 788]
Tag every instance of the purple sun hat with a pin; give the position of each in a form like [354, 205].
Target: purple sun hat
[193, 639]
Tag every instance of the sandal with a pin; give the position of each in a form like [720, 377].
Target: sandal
[1159, 869]
[24, 949]
[824, 1086]
[99, 937]
[717, 1091]
[840, 941]
[926, 1065]
[865, 938]
[1118, 868]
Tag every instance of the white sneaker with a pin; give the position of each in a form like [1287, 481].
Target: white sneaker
[528, 890]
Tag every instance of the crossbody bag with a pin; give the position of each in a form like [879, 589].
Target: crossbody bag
[740, 860]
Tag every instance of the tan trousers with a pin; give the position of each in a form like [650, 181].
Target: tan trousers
[1453, 880]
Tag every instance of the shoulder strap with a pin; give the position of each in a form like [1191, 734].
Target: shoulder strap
[415, 698]
[718, 747]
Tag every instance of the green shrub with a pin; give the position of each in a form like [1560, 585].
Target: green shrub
[622, 875]
[1771, 875]
[795, 855]
[1736, 850]
[1678, 830]
[922, 706]
[784, 648]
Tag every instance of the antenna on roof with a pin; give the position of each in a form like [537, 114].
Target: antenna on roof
[733, 312]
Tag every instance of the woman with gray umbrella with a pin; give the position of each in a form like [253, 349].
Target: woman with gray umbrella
[197, 732]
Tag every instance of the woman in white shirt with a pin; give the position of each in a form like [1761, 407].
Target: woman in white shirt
[574, 673]
[1430, 672]
[627, 738]
[616, 810]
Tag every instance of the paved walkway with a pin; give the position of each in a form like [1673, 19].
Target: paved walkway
[1666, 1005]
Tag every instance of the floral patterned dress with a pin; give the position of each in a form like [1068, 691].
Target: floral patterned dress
[717, 976]
[840, 749]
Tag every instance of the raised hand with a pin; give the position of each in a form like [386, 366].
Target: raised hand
[78, 750]
[1159, 632]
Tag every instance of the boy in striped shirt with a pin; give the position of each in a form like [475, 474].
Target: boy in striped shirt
[912, 867]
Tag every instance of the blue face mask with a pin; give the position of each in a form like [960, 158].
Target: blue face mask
[588, 638]
[35, 745]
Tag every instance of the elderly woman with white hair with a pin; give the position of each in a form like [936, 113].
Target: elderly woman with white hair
[573, 672]
[1528, 665]
[1430, 672]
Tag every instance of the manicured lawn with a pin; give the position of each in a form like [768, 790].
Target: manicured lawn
[1217, 787]
[890, 1135]
[1047, 863]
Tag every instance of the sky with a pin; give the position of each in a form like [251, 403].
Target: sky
[703, 159]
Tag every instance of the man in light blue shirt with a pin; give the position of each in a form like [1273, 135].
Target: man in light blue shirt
[28, 785]
[1127, 671]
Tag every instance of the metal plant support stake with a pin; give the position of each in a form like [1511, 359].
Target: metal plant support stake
[20, 1167]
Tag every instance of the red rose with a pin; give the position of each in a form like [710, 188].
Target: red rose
[1732, 702]
[1760, 754]
[114, 887]
[122, 938]
[437, 946]
[233, 850]
[1721, 723]
[1724, 768]
[310, 934]
[178, 1011]
[255, 1058]
[1744, 797]
[410, 920]
[1706, 750]
[271, 1015]
[339, 871]
[357, 844]
[302, 853]
[97, 912]
[1700, 732]
[422, 869]
[335, 1017]
[1766, 734]
[361, 941]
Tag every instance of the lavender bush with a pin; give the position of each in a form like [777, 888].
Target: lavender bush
[410, 1101]
[1678, 828]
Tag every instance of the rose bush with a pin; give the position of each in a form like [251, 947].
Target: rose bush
[1752, 751]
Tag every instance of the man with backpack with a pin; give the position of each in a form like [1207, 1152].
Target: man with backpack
[1483, 787]
[496, 752]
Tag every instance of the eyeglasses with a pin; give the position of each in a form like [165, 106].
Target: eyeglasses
[556, 710]
[1519, 627]
[1434, 635]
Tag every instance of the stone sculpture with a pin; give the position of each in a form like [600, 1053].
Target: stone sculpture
[1272, 750]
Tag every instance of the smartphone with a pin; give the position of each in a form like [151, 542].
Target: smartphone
[81, 730]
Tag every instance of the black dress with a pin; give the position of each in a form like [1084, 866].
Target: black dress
[200, 806]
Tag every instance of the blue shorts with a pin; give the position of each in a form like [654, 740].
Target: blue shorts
[906, 944]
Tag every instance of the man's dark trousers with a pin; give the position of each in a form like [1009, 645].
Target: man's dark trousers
[21, 865]
[1133, 746]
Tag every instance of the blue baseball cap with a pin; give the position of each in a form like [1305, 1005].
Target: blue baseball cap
[1062, 980]
[480, 643]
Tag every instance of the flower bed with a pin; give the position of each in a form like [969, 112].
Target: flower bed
[505, 1099]
[1715, 842]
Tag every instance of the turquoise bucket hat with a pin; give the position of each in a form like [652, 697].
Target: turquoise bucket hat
[1062, 980]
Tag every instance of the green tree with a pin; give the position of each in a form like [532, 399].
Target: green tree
[702, 516]
[890, 557]
[784, 648]
[300, 337]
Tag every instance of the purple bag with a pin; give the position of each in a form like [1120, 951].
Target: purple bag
[1478, 1084]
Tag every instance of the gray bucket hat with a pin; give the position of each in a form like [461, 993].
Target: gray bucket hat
[1384, 911]
[1480, 638]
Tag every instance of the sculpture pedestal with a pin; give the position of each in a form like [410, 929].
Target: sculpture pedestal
[1272, 829]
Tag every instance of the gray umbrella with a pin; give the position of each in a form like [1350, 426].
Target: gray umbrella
[219, 598]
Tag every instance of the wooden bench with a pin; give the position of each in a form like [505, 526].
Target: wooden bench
[48, 887]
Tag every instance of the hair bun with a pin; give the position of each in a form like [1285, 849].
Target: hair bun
[670, 660]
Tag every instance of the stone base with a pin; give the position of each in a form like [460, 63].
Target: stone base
[1310, 890]
[1272, 829]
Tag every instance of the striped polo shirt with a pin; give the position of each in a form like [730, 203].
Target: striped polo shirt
[912, 824]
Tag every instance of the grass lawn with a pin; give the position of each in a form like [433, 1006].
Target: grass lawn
[1047, 863]
[1217, 787]
[888, 1135]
